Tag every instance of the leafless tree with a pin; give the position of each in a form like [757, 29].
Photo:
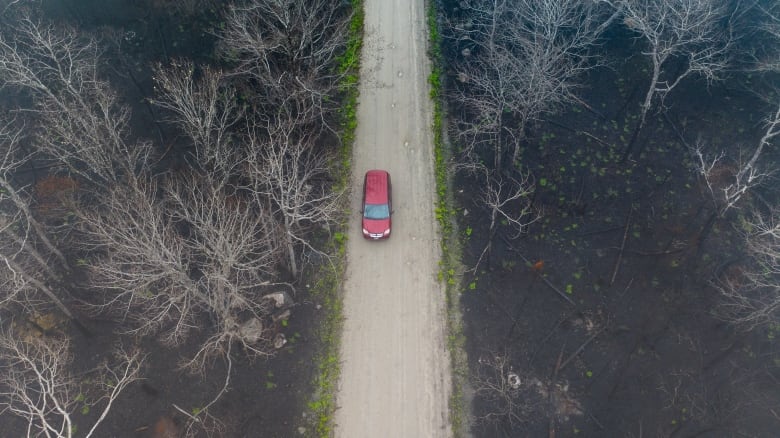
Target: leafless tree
[710, 402]
[751, 291]
[188, 253]
[232, 242]
[752, 294]
[748, 172]
[513, 398]
[508, 201]
[682, 38]
[728, 182]
[231, 238]
[137, 259]
[164, 254]
[289, 49]
[36, 384]
[291, 175]
[29, 261]
[23, 280]
[12, 160]
[81, 124]
[769, 58]
[205, 108]
[167, 257]
[745, 174]
[520, 59]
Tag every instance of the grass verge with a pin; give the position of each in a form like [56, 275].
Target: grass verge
[449, 268]
[328, 286]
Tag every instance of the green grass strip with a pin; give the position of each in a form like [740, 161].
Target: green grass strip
[449, 269]
[328, 285]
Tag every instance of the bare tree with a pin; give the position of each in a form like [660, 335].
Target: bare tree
[169, 254]
[137, 259]
[205, 108]
[37, 386]
[232, 242]
[683, 38]
[12, 160]
[289, 50]
[727, 183]
[167, 257]
[215, 208]
[513, 397]
[29, 261]
[508, 201]
[520, 59]
[291, 176]
[726, 406]
[749, 172]
[752, 294]
[81, 124]
[24, 279]
[769, 58]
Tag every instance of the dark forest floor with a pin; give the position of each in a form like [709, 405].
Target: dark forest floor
[654, 359]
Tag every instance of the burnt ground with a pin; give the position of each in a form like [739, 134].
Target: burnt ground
[264, 395]
[644, 355]
[267, 397]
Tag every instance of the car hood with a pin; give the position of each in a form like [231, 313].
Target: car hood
[376, 225]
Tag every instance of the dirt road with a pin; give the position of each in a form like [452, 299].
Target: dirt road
[395, 379]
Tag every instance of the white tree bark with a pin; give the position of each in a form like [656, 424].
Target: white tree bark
[82, 126]
[205, 110]
[29, 258]
[520, 60]
[290, 175]
[36, 384]
[691, 32]
[289, 50]
[167, 257]
[752, 293]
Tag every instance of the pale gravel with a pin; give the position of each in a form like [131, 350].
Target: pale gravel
[395, 379]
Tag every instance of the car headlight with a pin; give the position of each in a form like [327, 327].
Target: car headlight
[365, 231]
[387, 232]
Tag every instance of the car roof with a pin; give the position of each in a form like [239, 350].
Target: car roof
[376, 186]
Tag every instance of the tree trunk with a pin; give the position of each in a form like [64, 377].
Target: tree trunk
[290, 251]
[41, 287]
[32, 252]
[768, 135]
[21, 205]
[645, 109]
[634, 136]
[491, 236]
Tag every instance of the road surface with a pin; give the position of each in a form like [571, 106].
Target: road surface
[395, 379]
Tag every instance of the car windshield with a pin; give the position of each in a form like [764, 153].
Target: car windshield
[376, 211]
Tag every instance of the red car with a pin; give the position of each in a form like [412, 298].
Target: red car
[377, 205]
